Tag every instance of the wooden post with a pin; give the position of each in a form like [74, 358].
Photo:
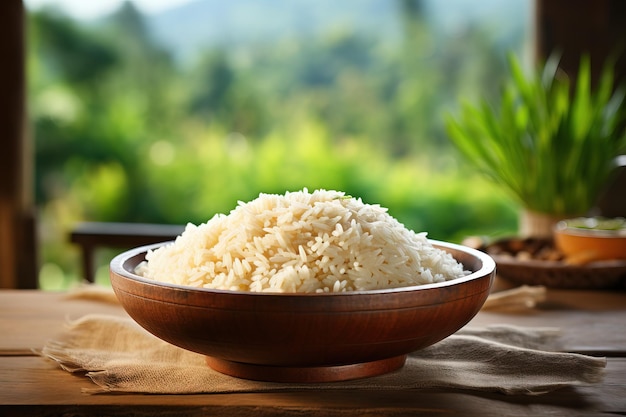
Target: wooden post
[576, 27]
[596, 28]
[18, 259]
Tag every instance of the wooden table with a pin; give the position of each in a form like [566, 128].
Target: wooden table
[592, 322]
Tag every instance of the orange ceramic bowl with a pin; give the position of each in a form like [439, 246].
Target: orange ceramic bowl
[304, 337]
[584, 240]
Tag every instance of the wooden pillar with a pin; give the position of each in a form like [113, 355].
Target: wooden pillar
[596, 28]
[18, 260]
[576, 27]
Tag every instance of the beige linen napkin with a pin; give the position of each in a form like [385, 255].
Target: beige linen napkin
[119, 356]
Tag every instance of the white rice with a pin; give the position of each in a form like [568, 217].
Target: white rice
[305, 242]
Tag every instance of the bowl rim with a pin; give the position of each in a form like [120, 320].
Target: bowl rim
[488, 268]
[566, 227]
[590, 233]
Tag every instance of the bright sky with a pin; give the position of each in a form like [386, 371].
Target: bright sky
[89, 9]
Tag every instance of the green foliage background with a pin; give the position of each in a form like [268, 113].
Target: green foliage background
[125, 133]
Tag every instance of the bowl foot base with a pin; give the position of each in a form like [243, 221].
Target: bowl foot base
[306, 374]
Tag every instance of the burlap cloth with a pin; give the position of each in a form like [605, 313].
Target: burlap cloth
[119, 356]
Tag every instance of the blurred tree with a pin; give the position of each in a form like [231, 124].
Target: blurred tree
[97, 101]
[218, 93]
[212, 80]
[63, 54]
[70, 52]
[147, 69]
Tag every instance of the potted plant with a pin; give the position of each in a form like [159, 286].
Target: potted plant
[551, 141]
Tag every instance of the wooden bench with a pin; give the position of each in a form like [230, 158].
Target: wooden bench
[91, 236]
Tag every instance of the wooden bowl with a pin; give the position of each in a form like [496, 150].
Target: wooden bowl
[296, 337]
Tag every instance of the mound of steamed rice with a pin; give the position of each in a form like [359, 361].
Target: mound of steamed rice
[306, 242]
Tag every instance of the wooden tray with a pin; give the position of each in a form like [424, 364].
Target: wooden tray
[558, 274]
[535, 261]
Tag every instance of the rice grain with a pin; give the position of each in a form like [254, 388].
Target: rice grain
[322, 241]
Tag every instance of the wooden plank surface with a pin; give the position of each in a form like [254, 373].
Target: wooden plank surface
[592, 322]
[36, 378]
[29, 318]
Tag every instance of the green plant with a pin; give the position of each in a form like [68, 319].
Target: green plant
[551, 142]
